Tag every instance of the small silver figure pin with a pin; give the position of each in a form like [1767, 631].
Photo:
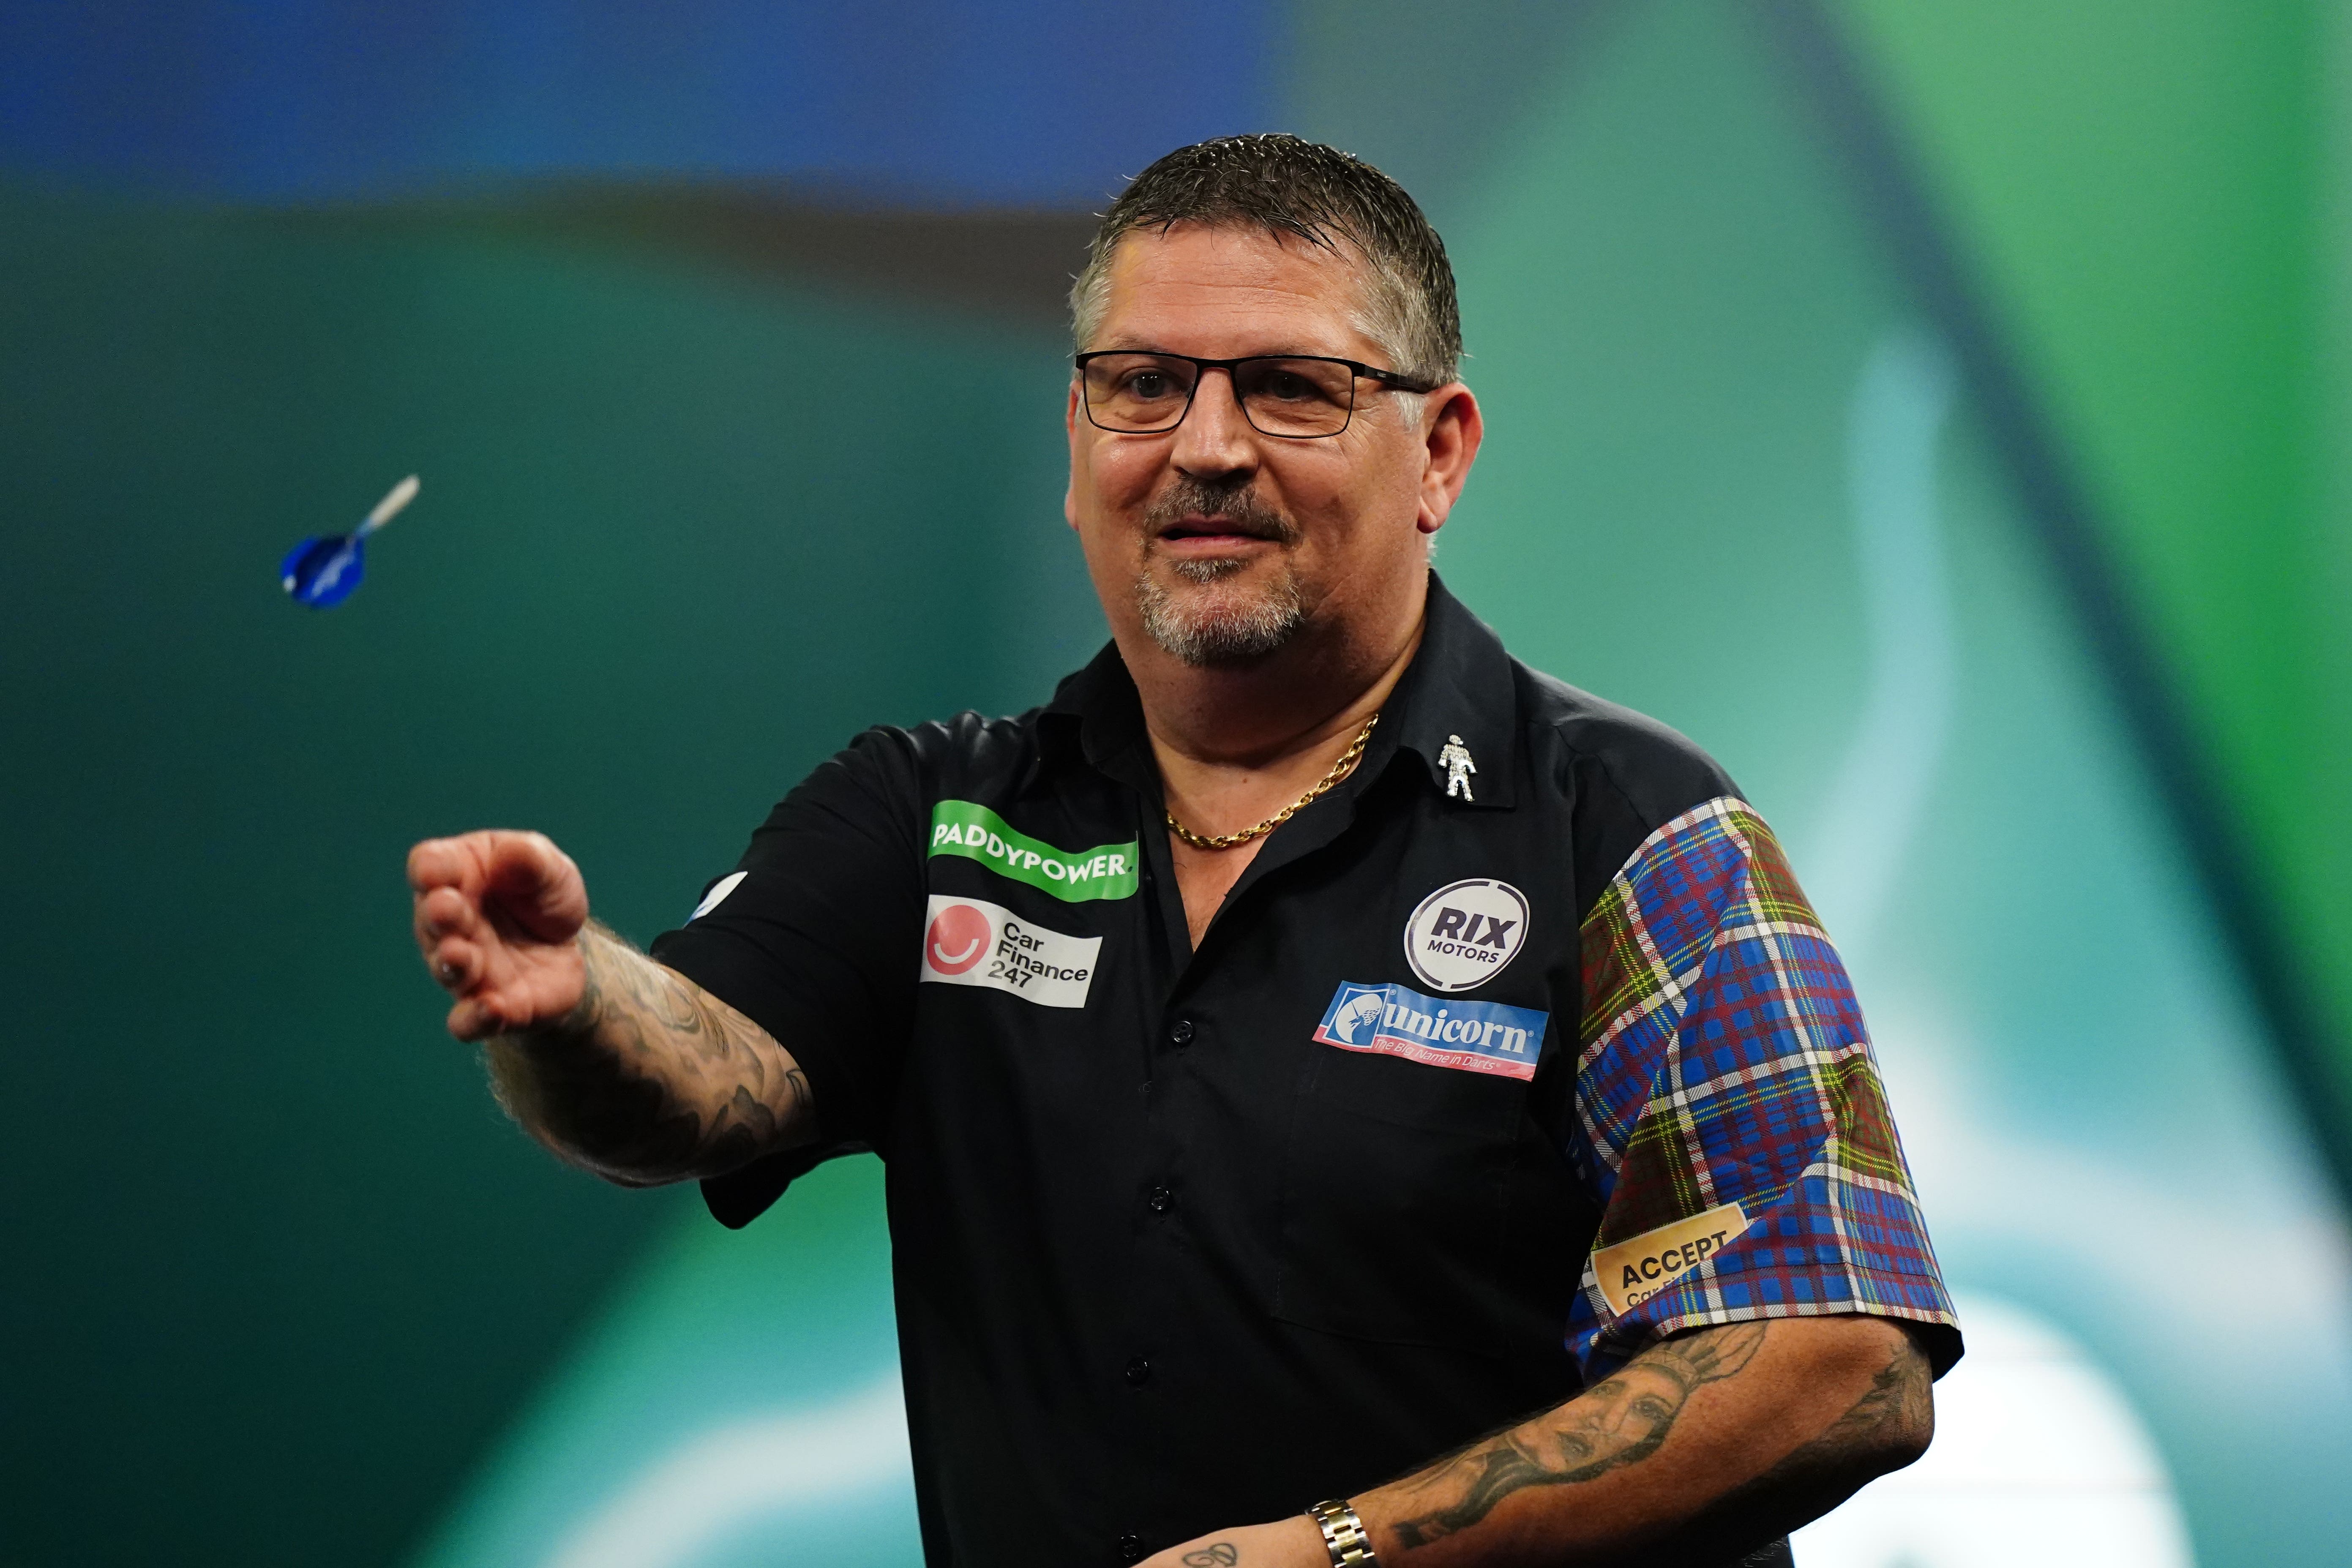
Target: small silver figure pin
[1458, 768]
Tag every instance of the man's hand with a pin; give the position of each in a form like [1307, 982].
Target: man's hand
[613, 1061]
[498, 916]
[1293, 1543]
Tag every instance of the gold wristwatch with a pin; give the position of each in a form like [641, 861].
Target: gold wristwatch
[1343, 1534]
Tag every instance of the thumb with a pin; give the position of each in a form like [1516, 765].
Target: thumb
[536, 885]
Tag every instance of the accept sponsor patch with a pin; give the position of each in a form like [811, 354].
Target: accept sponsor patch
[971, 942]
[1475, 1036]
[1633, 1271]
[1074, 876]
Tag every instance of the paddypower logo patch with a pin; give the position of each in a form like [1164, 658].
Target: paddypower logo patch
[1074, 876]
[971, 942]
[1474, 1036]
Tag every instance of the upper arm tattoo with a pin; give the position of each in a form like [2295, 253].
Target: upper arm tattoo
[651, 1078]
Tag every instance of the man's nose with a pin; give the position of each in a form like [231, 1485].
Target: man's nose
[1215, 437]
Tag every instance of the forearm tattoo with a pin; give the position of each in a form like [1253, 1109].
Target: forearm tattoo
[1626, 1419]
[649, 1079]
[1891, 1424]
[1618, 1422]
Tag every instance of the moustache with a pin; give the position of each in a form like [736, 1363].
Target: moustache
[1236, 505]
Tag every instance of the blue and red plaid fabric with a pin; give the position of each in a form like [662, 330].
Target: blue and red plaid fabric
[1723, 1059]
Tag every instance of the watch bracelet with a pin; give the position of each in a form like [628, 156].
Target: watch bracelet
[1344, 1535]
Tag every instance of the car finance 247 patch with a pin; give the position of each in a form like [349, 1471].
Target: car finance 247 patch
[971, 941]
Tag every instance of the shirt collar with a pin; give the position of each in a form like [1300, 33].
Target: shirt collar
[1458, 691]
[1096, 715]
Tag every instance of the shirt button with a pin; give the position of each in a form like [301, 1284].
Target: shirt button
[1161, 1200]
[1130, 1548]
[1181, 1032]
[1138, 1373]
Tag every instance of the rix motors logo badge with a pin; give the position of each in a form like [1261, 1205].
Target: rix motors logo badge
[1464, 934]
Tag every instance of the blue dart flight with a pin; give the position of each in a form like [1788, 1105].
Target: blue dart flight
[322, 572]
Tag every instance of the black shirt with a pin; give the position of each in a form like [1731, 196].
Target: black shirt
[1188, 1239]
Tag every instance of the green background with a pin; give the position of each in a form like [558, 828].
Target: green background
[288, 1290]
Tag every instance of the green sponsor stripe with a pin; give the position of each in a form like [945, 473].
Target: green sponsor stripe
[1076, 876]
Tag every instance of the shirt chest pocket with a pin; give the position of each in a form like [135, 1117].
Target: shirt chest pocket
[1394, 1178]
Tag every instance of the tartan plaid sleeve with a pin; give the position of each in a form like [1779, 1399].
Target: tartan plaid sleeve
[1728, 1108]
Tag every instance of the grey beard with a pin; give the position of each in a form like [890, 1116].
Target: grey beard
[1209, 634]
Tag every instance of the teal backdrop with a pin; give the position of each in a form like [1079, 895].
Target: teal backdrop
[287, 1288]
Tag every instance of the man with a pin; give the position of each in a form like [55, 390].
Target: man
[1311, 1044]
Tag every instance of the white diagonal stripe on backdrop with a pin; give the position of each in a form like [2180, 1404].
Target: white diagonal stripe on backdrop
[727, 1476]
[1900, 404]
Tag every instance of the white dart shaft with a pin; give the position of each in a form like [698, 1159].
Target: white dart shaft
[399, 496]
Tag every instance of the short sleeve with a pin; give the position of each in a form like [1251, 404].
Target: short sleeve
[1729, 1108]
[813, 938]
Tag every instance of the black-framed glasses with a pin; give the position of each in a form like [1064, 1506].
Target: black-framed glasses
[1300, 396]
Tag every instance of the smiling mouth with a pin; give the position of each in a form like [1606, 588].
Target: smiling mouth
[1200, 521]
[1216, 531]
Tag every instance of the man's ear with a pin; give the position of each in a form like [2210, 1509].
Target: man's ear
[1451, 429]
[1070, 430]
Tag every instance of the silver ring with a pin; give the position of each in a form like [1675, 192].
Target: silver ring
[447, 972]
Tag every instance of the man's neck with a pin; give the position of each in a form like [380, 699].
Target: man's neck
[1255, 717]
[1229, 740]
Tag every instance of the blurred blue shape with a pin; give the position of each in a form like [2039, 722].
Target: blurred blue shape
[931, 103]
[321, 571]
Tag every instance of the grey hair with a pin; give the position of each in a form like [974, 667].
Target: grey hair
[1294, 189]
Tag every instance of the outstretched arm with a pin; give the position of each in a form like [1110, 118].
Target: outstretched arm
[616, 1063]
[650, 1079]
[1702, 1447]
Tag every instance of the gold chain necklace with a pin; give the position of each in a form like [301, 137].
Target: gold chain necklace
[1322, 787]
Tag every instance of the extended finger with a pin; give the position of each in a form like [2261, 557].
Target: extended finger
[446, 911]
[488, 1010]
[469, 1020]
[457, 965]
[443, 862]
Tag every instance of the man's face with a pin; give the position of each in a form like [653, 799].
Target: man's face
[1216, 542]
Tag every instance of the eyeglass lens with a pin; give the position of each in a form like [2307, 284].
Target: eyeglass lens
[1143, 392]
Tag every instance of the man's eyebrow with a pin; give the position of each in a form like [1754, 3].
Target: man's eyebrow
[1145, 346]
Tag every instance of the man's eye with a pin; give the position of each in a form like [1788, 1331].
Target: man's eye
[1150, 383]
[1289, 387]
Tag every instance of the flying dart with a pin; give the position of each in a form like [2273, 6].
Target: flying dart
[322, 572]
